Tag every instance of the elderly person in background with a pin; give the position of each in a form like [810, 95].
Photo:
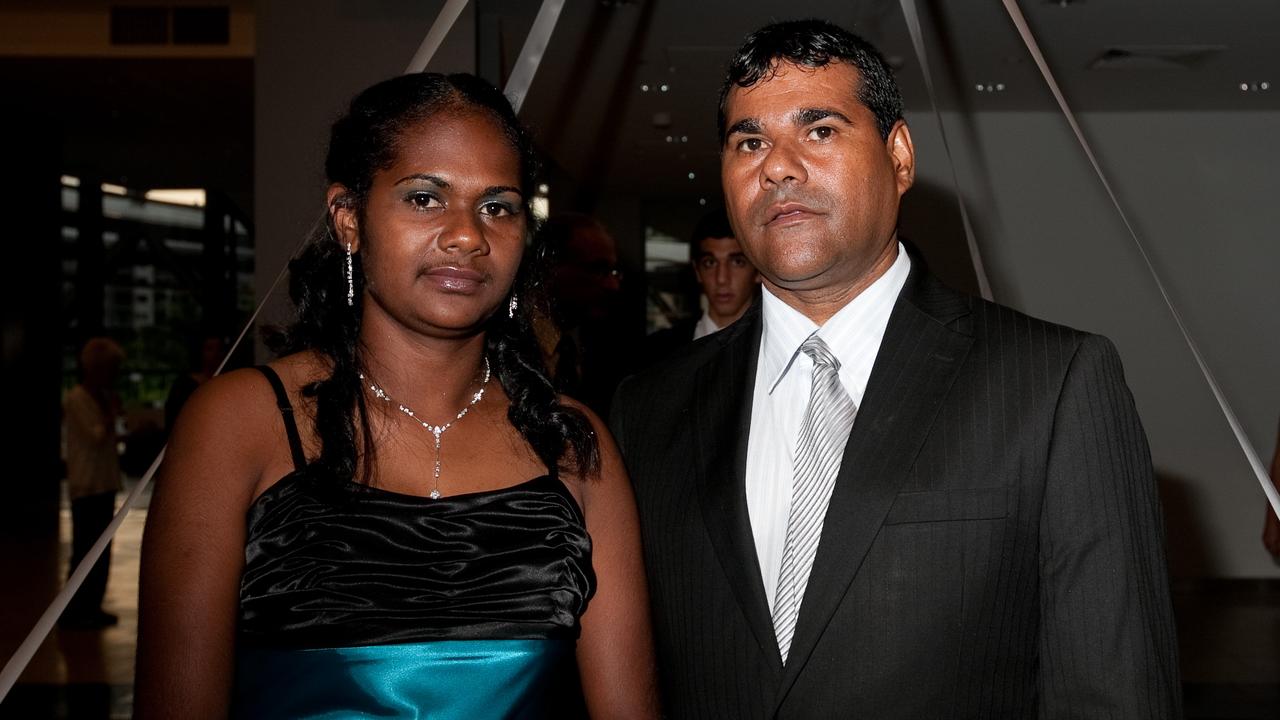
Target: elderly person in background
[93, 474]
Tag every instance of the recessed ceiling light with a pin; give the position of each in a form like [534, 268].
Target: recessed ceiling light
[692, 176]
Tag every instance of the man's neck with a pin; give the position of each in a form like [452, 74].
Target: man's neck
[820, 304]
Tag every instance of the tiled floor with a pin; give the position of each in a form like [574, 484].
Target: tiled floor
[1229, 632]
[75, 673]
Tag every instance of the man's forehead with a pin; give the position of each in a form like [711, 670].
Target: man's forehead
[791, 87]
[720, 246]
[785, 73]
[590, 241]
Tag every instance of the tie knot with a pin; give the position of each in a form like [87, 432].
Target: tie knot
[819, 353]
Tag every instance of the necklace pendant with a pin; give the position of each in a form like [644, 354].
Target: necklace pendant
[436, 430]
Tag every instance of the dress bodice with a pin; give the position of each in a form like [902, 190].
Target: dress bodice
[361, 602]
[341, 564]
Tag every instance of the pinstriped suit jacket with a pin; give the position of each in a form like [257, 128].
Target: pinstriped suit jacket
[993, 547]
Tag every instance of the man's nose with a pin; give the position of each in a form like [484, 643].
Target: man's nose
[783, 164]
[722, 273]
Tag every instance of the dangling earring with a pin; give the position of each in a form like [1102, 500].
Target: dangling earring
[351, 284]
[511, 306]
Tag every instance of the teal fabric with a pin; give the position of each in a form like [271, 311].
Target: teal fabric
[441, 680]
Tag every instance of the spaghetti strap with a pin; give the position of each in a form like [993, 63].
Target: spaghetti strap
[286, 412]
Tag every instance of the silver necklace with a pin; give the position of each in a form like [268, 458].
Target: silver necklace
[435, 430]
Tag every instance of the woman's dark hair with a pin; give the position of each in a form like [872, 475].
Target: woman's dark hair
[814, 43]
[361, 143]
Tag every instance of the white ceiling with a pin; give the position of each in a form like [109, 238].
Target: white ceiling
[589, 112]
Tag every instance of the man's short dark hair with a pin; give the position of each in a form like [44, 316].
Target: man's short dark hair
[714, 224]
[814, 43]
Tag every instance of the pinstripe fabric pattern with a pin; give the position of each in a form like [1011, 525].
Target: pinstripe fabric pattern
[993, 546]
[823, 433]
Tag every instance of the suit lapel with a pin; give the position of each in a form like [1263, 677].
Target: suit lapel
[721, 425]
[917, 362]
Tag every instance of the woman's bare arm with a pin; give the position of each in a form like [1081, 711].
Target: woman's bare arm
[193, 548]
[615, 651]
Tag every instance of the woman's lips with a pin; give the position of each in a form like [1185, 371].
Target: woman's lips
[455, 279]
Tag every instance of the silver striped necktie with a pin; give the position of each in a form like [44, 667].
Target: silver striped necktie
[823, 433]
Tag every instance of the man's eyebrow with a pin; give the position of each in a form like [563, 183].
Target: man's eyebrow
[433, 179]
[747, 126]
[807, 116]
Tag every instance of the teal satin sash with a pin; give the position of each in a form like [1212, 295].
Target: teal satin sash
[441, 680]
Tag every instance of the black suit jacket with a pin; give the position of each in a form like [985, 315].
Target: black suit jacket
[664, 343]
[993, 546]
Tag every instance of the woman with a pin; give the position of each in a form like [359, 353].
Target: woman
[367, 540]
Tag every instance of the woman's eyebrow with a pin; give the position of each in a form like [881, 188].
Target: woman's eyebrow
[433, 179]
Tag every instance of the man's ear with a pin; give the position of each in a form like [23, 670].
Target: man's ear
[903, 154]
[342, 214]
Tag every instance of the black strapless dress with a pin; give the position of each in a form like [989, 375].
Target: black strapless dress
[360, 602]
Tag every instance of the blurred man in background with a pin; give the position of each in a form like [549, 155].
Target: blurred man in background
[93, 474]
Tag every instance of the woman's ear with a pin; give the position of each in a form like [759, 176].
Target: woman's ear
[342, 215]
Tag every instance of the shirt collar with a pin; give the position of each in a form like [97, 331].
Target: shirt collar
[862, 320]
[704, 327]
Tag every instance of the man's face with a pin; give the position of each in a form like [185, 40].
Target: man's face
[726, 276]
[585, 281]
[811, 188]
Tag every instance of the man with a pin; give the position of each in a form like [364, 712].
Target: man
[874, 496]
[93, 475]
[579, 339]
[725, 277]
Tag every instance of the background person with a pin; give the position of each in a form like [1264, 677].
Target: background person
[726, 278]
[580, 333]
[204, 360]
[93, 474]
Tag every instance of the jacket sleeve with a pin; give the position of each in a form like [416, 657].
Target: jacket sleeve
[1107, 641]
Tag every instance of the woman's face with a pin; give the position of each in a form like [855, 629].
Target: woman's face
[444, 227]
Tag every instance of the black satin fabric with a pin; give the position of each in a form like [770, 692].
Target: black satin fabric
[341, 565]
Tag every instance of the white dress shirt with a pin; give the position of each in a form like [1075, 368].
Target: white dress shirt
[705, 327]
[781, 394]
[93, 464]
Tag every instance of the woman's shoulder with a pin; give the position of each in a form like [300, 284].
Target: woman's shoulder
[595, 424]
[608, 471]
[232, 427]
[241, 403]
